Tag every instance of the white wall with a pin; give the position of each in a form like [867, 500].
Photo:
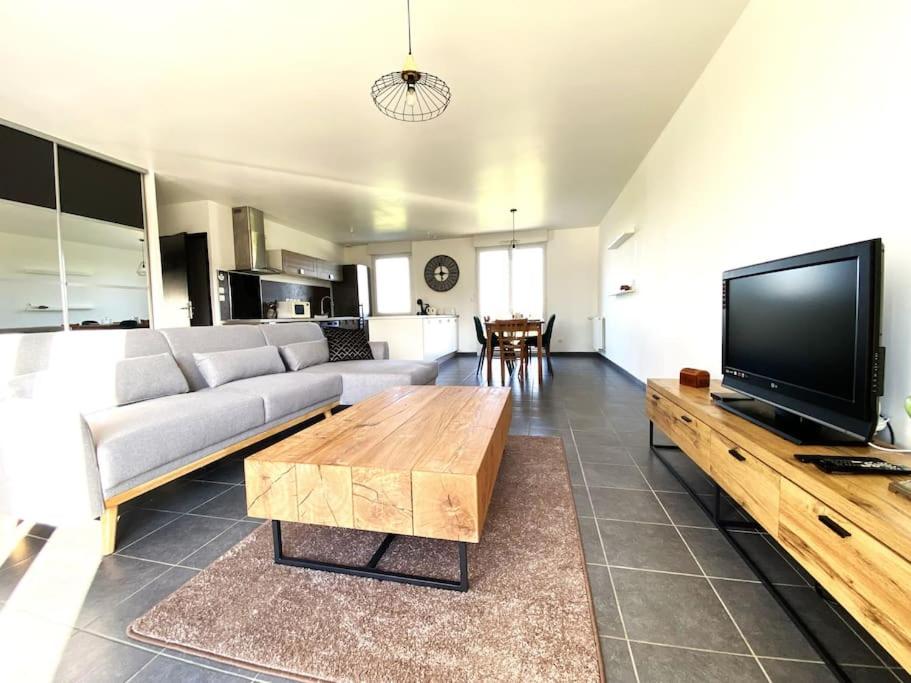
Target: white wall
[795, 138]
[571, 282]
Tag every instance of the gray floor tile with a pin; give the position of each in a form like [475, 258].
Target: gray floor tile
[219, 545]
[134, 523]
[607, 455]
[178, 539]
[91, 658]
[674, 610]
[116, 579]
[631, 506]
[583, 505]
[646, 546]
[659, 478]
[618, 667]
[846, 647]
[614, 476]
[715, 554]
[113, 621]
[26, 548]
[593, 441]
[167, 669]
[765, 625]
[683, 510]
[182, 495]
[591, 542]
[606, 613]
[228, 471]
[658, 664]
[575, 470]
[232, 504]
[781, 671]
[772, 564]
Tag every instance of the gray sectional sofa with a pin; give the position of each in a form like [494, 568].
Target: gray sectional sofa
[90, 420]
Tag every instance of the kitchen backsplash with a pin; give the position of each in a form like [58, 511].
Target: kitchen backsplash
[280, 291]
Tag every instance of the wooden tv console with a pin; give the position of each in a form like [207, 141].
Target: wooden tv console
[849, 532]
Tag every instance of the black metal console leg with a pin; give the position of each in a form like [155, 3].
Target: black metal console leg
[370, 570]
[725, 528]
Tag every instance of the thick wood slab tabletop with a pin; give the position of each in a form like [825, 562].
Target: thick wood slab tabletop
[865, 499]
[418, 460]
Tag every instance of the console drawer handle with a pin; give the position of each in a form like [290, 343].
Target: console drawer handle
[734, 453]
[686, 418]
[834, 526]
[656, 397]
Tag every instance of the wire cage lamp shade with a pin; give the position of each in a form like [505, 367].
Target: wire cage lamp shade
[409, 94]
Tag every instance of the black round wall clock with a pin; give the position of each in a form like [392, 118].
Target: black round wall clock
[441, 273]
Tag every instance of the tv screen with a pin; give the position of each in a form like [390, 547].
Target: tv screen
[801, 333]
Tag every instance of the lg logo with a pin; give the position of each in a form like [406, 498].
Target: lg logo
[773, 385]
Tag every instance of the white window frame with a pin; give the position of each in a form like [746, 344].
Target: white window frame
[510, 250]
[376, 284]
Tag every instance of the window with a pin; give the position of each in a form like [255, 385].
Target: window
[393, 284]
[511, 281]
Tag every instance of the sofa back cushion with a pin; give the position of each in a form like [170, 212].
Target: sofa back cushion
[221, 367]
[282, 334]
[185, 341]
[80, 368]
[148, 377]
[303, 354]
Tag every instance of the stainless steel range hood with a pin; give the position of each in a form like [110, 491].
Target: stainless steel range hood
[250, 241]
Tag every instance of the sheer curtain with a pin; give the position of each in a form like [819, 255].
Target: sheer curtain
[511, 281]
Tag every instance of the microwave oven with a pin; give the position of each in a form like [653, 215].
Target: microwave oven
[293, 308]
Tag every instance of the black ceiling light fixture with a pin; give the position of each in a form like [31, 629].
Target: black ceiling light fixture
[513, 242]
[409, 94]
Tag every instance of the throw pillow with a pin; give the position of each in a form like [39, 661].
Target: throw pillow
[345, 344]
[147, 377]
[221, 367]
[303, 354]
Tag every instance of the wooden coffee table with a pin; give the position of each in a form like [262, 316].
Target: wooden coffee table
[411, 461]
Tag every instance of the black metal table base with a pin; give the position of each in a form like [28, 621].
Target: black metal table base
[370, 570]
[725, 527]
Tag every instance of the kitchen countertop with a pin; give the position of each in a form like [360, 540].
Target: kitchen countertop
[254, 321]
[408, 317]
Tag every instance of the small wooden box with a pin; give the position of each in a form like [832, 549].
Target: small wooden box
[691, 377]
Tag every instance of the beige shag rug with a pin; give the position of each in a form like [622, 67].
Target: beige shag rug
[527, 615]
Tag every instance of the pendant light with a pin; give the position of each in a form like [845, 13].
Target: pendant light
[141, 269]
[513, 242]
[409, 94]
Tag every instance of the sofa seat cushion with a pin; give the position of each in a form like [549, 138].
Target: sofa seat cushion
[363, 378]
[289, 392]
[133, 439]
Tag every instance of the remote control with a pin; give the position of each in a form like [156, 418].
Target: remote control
[836, 464]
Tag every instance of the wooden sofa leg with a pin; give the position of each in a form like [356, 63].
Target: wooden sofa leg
[327, 414]
[108, 530]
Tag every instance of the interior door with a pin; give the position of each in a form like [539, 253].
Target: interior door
[199, 284]
[177, 308]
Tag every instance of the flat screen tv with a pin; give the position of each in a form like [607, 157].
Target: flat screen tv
[801, 339]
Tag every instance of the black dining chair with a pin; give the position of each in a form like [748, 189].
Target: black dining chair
[545, 341]
[482, 340]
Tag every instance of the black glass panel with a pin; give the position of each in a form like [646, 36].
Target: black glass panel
[26, 168]
[98, 189]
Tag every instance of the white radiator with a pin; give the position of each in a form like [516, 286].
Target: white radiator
[597, 333]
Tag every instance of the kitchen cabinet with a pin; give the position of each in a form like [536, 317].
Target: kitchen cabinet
[417, 337]
[301, 265]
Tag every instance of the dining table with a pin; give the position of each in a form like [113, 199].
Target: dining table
[495, 327]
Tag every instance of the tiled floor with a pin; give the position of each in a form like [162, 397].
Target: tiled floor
[674, 602]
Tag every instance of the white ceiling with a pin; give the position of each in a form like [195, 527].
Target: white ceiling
[267, 103]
